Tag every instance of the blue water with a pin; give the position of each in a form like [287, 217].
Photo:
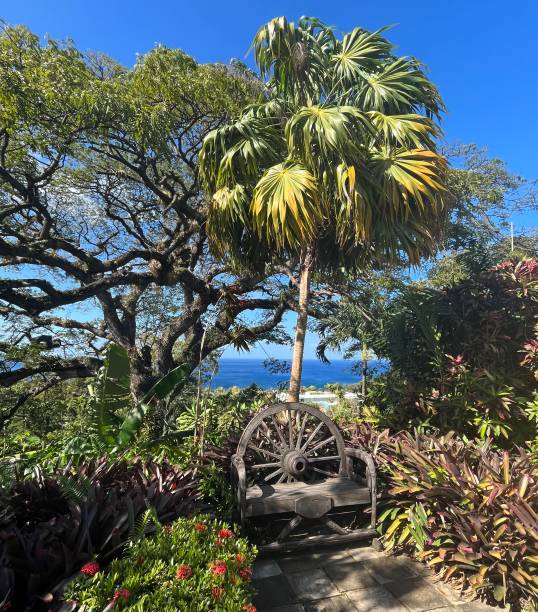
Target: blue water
[245, 372]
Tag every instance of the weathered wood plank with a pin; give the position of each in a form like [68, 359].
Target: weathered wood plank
[279, 498]
[319, 540]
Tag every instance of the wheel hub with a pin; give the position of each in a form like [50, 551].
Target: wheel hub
[294, 463]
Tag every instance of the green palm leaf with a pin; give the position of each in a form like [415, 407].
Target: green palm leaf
[285, 207]
[360, 50]
[315, 133]
[399, 87]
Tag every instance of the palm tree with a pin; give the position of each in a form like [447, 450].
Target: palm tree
[335, 166]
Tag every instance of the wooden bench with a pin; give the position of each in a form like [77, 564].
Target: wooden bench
[291, 460]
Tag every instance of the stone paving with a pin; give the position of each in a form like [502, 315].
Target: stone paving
[350, 579]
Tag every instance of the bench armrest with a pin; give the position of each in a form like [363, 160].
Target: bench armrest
[239, 475]
[366, 458]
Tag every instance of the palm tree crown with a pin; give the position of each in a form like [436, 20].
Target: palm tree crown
[340, 152]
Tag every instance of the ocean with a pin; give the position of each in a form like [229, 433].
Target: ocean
[245, 372]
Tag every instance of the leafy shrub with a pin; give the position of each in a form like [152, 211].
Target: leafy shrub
[464, 358]
[193, 564]
[467, 510]
[50, 526]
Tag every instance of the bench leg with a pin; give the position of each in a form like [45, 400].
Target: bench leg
[294, 522]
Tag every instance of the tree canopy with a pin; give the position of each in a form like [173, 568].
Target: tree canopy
[102, 221]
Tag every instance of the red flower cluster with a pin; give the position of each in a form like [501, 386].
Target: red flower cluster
[217, 592]
[249, 608]
[183, 572]
[225, 534]
[240, 558]
[200, 527]
[245, 573]
[91, 568]
[120, 594]
[218, 568]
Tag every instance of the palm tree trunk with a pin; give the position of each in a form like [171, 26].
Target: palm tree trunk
[307, 264]
[364, 359]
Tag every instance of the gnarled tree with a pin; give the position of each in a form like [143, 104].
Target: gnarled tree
[102, 223]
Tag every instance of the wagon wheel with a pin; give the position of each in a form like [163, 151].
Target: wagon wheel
[289, 442]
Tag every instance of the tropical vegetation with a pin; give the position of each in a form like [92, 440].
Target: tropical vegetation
[152, 216]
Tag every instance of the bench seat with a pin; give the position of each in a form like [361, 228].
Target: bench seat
[280, 498]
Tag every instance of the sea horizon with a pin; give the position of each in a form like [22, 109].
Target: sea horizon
[245, 371]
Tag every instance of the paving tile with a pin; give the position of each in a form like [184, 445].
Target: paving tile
[415, 567]
[340, 603]
[350, 575]
[387, 569]
[273, 592]
[265, 568]
[313, 584]
[314, 560]
[375, 599]
[360, 553]
[476, 606]
[417, 594]
[452, 595]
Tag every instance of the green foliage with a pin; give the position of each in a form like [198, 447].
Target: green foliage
[117, 418]
[465, 509]
[193, 564]
[340, 155]
[462, 357]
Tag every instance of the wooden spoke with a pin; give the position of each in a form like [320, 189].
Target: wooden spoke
[282, 478]
[273, 474]
[320, 445]
[290, 429]
[260, 466]
[267, 434]
[259, 449]
[312, 436]
[301, 432]
[329, 458]
[277, 427]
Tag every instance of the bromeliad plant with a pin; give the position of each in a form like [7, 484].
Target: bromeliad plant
[193, 564]
[467, 510]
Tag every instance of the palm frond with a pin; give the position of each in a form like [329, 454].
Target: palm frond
[360, 50]
[285, 206]
[405, 130]
[399, 87]
[316, 133]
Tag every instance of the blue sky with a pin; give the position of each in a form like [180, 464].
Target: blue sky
[480, 53]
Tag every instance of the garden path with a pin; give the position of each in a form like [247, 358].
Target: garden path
[352, 579]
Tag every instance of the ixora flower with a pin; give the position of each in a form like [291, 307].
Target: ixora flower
[240, 558]
[218, 568]
[225, 533]
[217, 592]
[120, 594]
[245, 573]
[249, 608]
[200, 527]
[91, 568]
[183, 572]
